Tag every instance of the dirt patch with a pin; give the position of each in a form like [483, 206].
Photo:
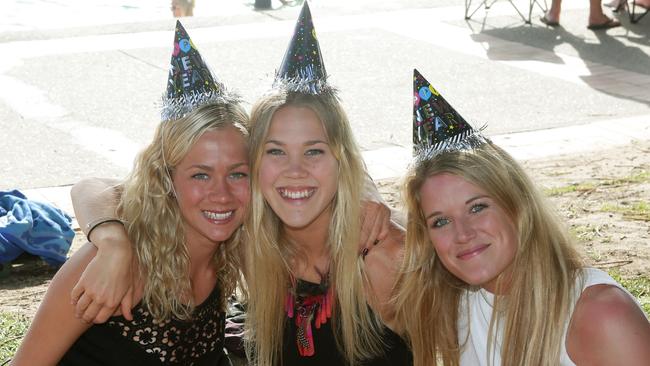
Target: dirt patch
[604, 197]
[22, 291]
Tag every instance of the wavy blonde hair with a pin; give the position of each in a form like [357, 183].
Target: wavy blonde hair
[544, 270]
[155, 225]
[356, 328]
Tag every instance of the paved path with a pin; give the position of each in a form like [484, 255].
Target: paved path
[525, 81]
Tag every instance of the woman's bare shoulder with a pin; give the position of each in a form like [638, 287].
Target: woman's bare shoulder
[608, 327]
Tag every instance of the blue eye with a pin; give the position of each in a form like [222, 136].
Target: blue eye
[200, 176]
[313, 152]
[478, 207]
[238, 175]
[274, 152]
[439, 222]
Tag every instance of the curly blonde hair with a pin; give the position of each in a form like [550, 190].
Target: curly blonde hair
[544, 269]
[356, 328]
[155, 226]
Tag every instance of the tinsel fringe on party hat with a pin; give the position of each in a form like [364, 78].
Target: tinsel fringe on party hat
[190, 83]
[304, 85]
[179, 106]
[302, 69]
[437, 126]
[465, 141]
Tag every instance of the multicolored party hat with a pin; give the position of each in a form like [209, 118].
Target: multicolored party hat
[437, 127]
[190, 83]
[302, 69]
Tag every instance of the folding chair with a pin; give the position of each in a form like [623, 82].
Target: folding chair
[488, 3]
[633, 15]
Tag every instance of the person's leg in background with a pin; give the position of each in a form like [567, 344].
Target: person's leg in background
[597, 19]
[182, 8]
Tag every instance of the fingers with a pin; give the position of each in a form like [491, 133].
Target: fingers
[127, 304]
[76, 293]
[381, 227]
[82, 304]
[384, 225]
[374, 231]
[381, 224]
[366, 228]
[91, 312]
[375, 226]
[103, 314]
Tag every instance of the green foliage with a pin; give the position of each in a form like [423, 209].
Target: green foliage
[632, 211]
[575, 187]
[640, 177]
[13, 327]
[588, 233]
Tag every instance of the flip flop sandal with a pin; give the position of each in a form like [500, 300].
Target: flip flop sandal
[550, 23]
[609, 23]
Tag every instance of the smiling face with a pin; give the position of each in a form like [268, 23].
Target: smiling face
[473, 236]
[212, 186]
[298, 173]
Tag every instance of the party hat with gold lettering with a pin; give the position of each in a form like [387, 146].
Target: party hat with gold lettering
[190, 83]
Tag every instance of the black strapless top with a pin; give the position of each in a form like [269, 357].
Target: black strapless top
[326, 353]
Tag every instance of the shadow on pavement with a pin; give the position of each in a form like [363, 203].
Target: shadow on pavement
[629, 51]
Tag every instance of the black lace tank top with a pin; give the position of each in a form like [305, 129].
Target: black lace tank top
[144, 341]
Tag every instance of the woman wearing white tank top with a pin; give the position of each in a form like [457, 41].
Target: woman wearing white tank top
[490, 274]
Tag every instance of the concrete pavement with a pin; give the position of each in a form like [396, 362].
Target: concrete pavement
[77, 89]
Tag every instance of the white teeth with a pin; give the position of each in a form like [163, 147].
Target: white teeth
[218, 215]
[296, 194]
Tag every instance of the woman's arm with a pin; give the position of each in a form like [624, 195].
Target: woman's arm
[93, 199]
[375, 224]
[55, 328]
[608, 328]
[106, 283]
[376, 217]
[382, 266]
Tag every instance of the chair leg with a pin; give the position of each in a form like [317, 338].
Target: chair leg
[527, 20]
[633, 17]
[468, 5]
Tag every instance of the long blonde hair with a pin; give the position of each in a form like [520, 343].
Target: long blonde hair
[155, 225]
[269, 256]
[540, 291]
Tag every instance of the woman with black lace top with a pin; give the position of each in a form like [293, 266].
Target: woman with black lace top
[185, 234]
[182, 206]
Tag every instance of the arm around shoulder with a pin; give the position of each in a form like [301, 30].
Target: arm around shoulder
[608, 328]
[55, 328]
[94, 198]
[382, 266]
[107, 281]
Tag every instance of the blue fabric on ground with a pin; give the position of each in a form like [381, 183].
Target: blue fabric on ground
[34, 227]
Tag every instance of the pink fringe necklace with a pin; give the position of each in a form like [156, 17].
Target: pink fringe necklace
[306, 302]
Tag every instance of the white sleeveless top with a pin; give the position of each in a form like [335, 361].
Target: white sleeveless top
[473, 333]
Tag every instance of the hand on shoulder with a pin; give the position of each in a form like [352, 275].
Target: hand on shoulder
[608, 328]
[388, 250]
[382, 265]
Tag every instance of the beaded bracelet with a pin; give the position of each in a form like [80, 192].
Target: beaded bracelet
[100, 221]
